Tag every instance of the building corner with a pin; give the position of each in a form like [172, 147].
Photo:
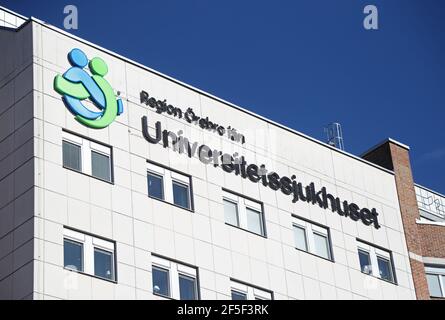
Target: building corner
[394, 156]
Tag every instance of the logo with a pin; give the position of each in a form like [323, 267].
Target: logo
[77, 85]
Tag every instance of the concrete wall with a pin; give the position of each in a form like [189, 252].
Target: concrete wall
[16, 164]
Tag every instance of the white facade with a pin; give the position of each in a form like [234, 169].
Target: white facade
[40, 199]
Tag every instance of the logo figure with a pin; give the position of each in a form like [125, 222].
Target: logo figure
[77, 85]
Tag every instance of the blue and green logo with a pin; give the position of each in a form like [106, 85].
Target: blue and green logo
[77, 85]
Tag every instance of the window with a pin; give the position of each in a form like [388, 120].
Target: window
[385, 271]
[231, 213]
[88, 254]
[238, 295]
[312, 238]
[376, 262]
[73, 255]
[434, 285]
[300, 238]
[241, 291]
[71, 156]
[155, 186]
[187, 287]
[322, 248]
[88, 157]
[365, 262]
[170, 186]
[174, 280]
[254, 221]
[435, 276]
[161, 281]
[181, 194]
[103, 264]
[243, 213]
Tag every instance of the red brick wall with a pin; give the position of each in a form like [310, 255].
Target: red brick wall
[419, 278]
[394, 157]
[407, 197]
[433, 240]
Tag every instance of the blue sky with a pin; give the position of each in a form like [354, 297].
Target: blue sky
[303, 63]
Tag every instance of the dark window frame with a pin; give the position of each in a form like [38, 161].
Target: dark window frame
[440, 288]
[295, 225]
[195, 282]
[66, 141]
[198, 283]
[237, 213]
[180, 183]
[97, 142]
[115, 281]
[161, 177]
[390, 267]
[393, 268]
[239, 293]
[272, 295]
[67, 239]
[109, 161]
[368, 254]
[113, 273]
[162, 269]
[331, 245]
[192, 202]
[263, 214]
[262, 222]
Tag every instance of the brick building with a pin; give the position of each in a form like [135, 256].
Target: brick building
[423, 216]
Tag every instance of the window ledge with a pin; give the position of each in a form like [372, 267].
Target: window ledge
[434, 223]
[172, 204]
[315, 255]
[88, 175]
[164, 297]
[251, 232]
[90, 275]
[387, 281]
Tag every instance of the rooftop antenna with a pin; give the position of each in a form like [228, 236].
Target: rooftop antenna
[334, 135]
